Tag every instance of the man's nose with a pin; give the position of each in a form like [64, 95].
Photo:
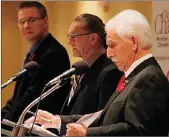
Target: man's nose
[26, 24]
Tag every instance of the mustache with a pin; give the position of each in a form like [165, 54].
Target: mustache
[114, 59]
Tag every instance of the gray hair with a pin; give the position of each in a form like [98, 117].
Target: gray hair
[131, 23]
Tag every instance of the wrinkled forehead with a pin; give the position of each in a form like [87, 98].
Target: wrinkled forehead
[76, 27]
[111, 36]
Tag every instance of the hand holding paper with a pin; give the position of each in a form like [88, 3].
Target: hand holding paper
[80, 127]
[74, 129]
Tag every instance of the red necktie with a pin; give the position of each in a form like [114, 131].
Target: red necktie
[121, 85]
[31, 57]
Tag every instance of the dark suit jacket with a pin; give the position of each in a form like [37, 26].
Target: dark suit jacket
[141, 109]
[53, 60]
[95, 88]
[93, 91]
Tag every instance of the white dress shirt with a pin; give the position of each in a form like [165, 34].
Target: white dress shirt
[136, 63]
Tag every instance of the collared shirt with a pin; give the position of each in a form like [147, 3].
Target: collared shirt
[136, 63]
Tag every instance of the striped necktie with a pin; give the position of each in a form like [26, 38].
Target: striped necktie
[76, 81]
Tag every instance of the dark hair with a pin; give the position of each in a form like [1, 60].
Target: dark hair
[29, 4]
[93, 24]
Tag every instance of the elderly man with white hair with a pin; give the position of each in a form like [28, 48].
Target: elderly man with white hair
[140, 104]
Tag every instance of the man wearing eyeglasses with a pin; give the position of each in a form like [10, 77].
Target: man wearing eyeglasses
[48, 53]
[86, 36]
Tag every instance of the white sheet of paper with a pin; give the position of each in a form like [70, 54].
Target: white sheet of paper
[88, 119]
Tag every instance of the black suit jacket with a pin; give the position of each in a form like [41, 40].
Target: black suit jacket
[53, 60]
[93, 91]
[141, 109]
[95, 88]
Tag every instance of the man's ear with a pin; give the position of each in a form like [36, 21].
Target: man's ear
[135, 43]
[46, 21]
[94, 38]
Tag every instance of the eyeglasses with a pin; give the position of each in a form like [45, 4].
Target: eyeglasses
[30, 20]
[77, 35]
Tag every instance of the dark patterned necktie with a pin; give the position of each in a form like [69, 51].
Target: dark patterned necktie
[76, 81]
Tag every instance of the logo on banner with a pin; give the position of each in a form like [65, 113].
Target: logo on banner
[162, 28]
[162, 23]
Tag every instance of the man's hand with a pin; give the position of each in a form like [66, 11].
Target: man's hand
[74, 129]
[46, 119]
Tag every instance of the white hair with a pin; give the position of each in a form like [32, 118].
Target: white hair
[131, 23]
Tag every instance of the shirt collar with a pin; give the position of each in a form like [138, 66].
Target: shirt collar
[136, 63]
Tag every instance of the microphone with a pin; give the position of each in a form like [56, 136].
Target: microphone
[78, 68]
[30, 67]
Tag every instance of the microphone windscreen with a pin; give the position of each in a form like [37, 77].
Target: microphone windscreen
[81, 67]
[32, 67]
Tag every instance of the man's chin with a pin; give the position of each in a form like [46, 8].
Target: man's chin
[30, 39]
[76, 55]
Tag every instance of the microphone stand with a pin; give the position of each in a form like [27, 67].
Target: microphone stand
[12, 79]
[18, 130]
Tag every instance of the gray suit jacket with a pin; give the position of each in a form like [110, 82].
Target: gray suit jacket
[141, 109]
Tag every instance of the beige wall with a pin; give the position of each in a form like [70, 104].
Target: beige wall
[11, 46]
[60, 17]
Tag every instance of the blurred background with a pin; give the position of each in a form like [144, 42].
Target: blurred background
[60, 16]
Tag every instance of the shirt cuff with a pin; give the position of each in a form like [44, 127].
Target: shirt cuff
[58, 126]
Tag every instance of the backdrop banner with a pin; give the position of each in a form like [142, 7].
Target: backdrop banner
[160, 29]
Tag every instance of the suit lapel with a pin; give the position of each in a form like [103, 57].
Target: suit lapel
[112, 98]
[116, 93]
